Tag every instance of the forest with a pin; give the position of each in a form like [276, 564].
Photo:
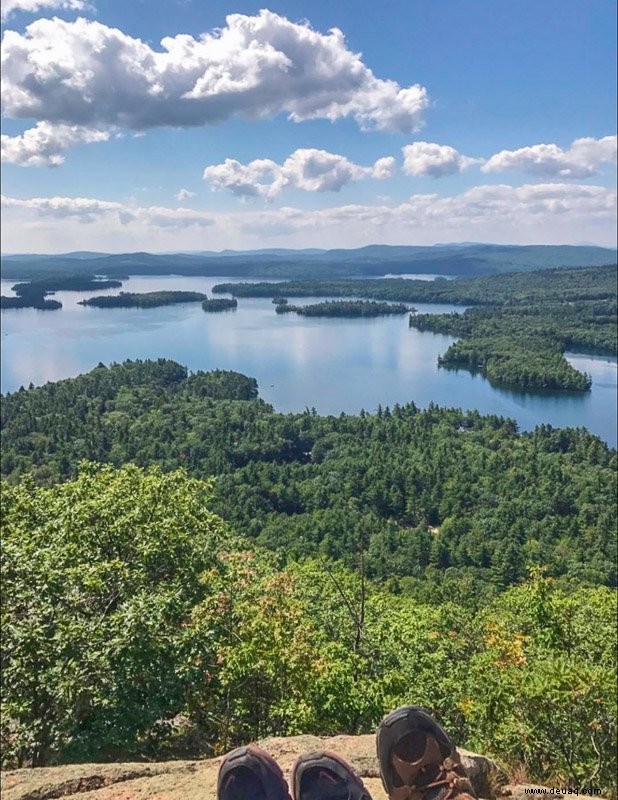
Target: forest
[33, 294]
[517, 330]
[142, 299]
[38, 301]
[515, 288]
[524, 347]
[425, 490]
[220, 304]
[68, 283]
[344, 308]
[334, 567]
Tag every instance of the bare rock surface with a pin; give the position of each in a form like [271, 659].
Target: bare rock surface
[197, 780]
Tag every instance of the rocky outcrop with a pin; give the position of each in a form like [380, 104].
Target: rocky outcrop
[197, 780]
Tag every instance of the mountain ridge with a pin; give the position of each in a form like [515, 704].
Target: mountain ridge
[370, 261]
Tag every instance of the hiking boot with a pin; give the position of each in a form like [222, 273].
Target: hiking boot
[325, 776]
[418, 760]
[249, 773]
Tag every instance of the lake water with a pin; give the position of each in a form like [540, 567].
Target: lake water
[333, 365]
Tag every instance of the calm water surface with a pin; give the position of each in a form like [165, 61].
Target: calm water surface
[332, 365]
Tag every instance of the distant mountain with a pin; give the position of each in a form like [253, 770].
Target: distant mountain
[76, 254]
[457, 259]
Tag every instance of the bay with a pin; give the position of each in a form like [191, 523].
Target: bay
[332, 365]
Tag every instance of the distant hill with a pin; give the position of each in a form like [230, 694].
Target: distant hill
[370, 261]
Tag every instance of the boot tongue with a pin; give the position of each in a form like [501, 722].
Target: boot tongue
[240, 786]
[421, 770]
[323, 785]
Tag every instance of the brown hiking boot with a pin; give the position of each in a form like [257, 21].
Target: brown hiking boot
[326, 776]
[418, 760]
[249, 773]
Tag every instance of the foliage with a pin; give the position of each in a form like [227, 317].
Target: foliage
[220, 304]
[33, 293]
[70, 283]
[142, 299]
[103, 575]
[34, 300]
[424, 492]
[516, 288]
[344, 308]
[130, 604]
[550, 689]
[523, 346]
[365, 562]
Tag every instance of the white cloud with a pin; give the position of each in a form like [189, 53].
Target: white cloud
[44, 144]
[435, 160]
[8, 7]
[384, 168]
[309, 169]
[88, 210]
[259, 178]
[549, 213]
[184, 194]
[88, 74]
[581, 160]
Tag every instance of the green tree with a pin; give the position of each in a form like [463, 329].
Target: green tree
[100, 576]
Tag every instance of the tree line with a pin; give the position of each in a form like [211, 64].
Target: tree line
[343, 308]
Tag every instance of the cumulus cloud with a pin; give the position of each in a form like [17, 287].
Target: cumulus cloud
[44, 144]
[547, 213]
[434, 160]
[309, 169]
[184, 194]
[8, 7]
[581, 160]
[87, 74]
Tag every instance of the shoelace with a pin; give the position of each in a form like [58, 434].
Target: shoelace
[450, 774]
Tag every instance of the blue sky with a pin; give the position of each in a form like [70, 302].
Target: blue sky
[483, 120]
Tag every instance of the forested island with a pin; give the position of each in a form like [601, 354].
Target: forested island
[220, 304]
[33, 294]
[143, 299]
[65, 283]
[344, 308]
[335, 562]
[525, 349]
[518, 330]
[37, 301]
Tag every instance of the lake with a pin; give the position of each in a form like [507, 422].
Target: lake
[332, 365]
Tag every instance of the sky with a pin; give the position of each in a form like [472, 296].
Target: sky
[171, 125]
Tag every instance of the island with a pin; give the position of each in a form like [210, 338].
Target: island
[220, 304]
[345, 308]
[29, 301]
[32, 294]
[143, 299]
[515, 330]
[65, 283]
